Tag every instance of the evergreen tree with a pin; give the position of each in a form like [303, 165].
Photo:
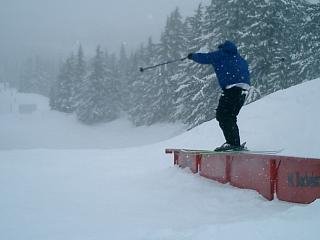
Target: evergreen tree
[123, 74]
[61, 95]
[286, 17]
[196, 90]
[144, 87]
[116, 83]
[98, 102]
[172, 46]
[265, 33]
[80, 71]
[306, 60]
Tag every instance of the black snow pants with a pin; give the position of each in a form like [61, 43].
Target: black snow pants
[230, 103]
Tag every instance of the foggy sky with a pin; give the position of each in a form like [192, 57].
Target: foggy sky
[57, 26]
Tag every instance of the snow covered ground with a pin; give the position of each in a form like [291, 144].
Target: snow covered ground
[119, 184]
[55, 130]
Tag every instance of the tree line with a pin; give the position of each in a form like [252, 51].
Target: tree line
[280, 40]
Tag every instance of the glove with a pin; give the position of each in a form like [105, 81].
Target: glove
[189, 56]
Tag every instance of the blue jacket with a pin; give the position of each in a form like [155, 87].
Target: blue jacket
[229, 66]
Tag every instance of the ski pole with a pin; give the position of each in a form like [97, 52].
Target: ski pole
[160, 64]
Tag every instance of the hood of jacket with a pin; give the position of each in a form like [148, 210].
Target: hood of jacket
[228, 47]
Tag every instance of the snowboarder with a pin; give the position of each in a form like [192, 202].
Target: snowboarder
[234, 79]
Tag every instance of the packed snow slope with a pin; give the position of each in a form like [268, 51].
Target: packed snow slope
[136, 192]
[287, 119]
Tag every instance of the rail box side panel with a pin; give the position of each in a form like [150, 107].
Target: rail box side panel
[298, 180]
[250, 171]
[215, 167]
